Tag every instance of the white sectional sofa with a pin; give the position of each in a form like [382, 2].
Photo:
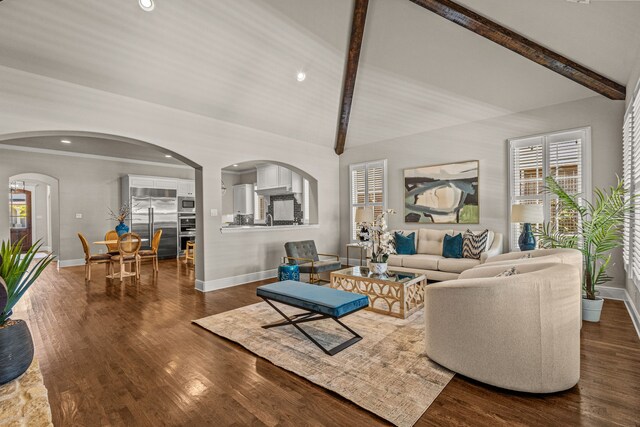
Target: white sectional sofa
[429, 261]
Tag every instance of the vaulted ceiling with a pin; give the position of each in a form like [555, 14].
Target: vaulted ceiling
[236, 60]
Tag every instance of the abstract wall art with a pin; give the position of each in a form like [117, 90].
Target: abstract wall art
[442, 194]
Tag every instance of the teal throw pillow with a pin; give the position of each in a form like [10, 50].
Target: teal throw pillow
[405, 245]
[452, 246]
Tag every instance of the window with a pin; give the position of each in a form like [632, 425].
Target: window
[368, 184]
[563, 155]
[631, 167]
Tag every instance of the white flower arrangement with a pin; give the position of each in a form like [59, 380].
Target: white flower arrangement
[382, 243]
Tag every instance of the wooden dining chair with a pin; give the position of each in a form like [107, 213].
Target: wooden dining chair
[92, 259]
[128, 248]
[112, 249]
[152, 253]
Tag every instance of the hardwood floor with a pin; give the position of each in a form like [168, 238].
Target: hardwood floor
[128, 354]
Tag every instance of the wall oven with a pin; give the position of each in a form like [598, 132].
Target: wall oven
[186, 205]
[187, 223]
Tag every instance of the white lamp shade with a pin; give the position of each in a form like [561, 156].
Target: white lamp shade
[364, 215]
[532, 214]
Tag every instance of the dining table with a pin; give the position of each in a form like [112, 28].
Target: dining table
[115, 242]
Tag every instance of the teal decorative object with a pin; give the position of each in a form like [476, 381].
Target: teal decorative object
[405, 245]
[452, 246]
[289, 272]
[122, 228]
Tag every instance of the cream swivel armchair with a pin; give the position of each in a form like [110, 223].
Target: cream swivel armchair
[559, 255]
[519, 332]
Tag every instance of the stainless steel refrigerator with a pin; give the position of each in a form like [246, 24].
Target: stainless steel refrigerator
[153, 209]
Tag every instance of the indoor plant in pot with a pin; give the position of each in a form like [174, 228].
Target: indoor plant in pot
[380, 243]
[600, 229]
[16, 276]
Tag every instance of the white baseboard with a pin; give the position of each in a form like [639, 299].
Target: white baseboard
[70, 262]
[227, 282]
[621, 294]
[610, 292]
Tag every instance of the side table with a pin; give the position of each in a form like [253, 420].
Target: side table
[363, 253]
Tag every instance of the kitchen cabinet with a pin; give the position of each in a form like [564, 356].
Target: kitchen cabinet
[243, 196]
[275, 179]
[152, 182]
[186, 188]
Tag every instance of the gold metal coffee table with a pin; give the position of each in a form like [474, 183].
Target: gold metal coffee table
[395, 293]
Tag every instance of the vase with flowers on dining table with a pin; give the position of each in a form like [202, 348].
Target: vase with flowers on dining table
[121, 216]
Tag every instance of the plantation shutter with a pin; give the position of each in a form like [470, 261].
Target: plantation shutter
[565, 165]
[527, 178]
[561, 155]
[627, 154]
[367, 185]
[635, 183]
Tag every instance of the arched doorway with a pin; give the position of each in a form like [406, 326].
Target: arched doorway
[34, 210]
[86, 147]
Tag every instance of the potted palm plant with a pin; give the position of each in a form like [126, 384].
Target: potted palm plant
[600, 228]
[16, 276]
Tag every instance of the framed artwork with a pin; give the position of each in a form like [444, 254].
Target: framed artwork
[442, 194]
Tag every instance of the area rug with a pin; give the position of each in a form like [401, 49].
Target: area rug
[386, 372]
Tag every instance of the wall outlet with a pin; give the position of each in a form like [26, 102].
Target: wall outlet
[78, 216]
[214, 212]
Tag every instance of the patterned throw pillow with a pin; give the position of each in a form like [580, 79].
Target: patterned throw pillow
[474, 244]
[525, 256]
[510, 272]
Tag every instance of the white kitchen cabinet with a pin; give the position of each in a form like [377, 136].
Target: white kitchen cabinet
[274, 180]
[152, 182]
[171, 184]
[284, 177]
[243, 199]
[186, 188]
[268, 176]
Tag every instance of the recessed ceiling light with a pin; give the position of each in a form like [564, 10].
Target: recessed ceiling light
[235, 166]
[146, 5]
[167, 155]
[301, 76]
[65, 141]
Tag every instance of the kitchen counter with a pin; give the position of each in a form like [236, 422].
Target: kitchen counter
[253, 228]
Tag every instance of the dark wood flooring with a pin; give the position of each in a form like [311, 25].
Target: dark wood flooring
[129, 355]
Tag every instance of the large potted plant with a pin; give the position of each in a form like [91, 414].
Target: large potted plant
[381, 243]
[600, 226]
[16, 276]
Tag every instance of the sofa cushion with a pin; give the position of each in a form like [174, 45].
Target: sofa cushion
[452, 246]
[430, 241]
[457, 265]
[320, 267]
[396, 260]
[406, 233]
[422, 262]
[405, 244]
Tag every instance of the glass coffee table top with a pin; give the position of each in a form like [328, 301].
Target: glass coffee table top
[389, 276]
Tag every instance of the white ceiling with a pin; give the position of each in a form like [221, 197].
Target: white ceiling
[94, 146]
[236, 60]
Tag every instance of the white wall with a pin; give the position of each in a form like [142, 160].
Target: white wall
[30, 102]
[486, 141]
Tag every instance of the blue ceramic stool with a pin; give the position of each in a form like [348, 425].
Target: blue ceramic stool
[288, 272]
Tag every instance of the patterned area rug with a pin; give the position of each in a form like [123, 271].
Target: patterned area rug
[386, 372]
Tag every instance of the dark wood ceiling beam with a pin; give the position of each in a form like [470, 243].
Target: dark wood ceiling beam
[351, 71]
[505, 37]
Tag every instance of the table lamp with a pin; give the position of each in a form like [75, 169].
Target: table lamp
[364, 217]
[527, 215]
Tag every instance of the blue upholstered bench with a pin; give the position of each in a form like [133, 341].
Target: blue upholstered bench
[319, 302]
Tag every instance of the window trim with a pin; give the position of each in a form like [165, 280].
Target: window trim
[385, 180]
[546, 138]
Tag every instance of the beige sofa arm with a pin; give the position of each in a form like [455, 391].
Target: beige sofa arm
[519, 332]
[494, 250]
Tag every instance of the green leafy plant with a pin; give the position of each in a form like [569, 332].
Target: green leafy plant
[599, 229]
[16, 273]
